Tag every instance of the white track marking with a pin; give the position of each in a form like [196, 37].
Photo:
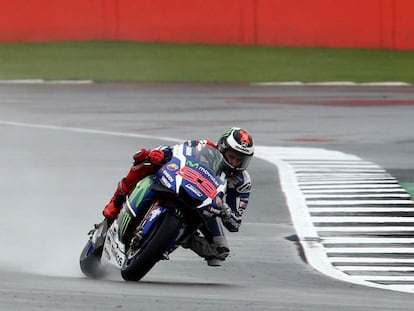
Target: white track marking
[41, 81]
[364, 229]
[354, 219]
[354, 182]
[333, 83]
[371, 250]
[378, 209]
[329, 182]
[369, 260]
[285, 83]
[350, 187]
[357, 240]
[88, 131]
[377, 268]
[357, 202]
[400, 194]
[373, 190]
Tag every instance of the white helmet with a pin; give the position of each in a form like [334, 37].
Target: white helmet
[240, 142]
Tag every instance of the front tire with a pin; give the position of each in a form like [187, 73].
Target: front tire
[159, 239]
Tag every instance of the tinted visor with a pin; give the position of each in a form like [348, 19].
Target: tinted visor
[236, 160]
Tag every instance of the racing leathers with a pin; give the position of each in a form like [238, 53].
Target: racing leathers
[211, 244]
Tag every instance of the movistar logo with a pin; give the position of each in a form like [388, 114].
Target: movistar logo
[189, 163]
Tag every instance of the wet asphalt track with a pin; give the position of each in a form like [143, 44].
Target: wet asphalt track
[55, 181]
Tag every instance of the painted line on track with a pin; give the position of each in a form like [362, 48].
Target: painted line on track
[41, 81]
[365, 241]
[282, 83]
[85, 130]
[333, 83]
[348, 229]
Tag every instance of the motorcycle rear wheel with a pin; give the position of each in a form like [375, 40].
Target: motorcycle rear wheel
[90, 261]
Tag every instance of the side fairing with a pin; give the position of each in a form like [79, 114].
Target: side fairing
[167, 175]
[140, 194]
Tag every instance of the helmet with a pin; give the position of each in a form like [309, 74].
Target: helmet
[240, 144]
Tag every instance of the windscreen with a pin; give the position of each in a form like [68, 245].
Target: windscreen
[210, 157]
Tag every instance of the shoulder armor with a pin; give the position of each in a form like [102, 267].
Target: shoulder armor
[246, 184]
[241, 182]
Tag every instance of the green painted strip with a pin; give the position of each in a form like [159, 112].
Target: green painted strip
[409, 187]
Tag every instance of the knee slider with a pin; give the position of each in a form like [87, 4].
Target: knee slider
[222, 252]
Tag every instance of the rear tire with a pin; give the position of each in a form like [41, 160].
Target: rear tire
[90, 258]
[159, 239]
[90, 261]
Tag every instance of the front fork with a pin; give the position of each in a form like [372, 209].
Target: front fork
[142, 228]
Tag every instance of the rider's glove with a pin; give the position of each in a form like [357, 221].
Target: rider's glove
[156, 156]
[140, 156]
[225, 212]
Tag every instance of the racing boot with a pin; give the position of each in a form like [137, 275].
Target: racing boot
[214, 253]
[114, 206]
[214, 262]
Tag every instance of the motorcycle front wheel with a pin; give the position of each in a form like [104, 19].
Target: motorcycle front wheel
[151, 250]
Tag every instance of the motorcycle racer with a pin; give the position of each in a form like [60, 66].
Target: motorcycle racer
[236, 146]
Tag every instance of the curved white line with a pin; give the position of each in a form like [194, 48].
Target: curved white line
[89, 131]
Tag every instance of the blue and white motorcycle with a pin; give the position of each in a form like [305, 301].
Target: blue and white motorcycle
[159, 215]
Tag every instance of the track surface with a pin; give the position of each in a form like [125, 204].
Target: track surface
[55, 181]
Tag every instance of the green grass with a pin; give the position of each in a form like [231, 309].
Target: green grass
[130, 61]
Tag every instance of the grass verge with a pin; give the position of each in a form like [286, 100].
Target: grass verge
[132, 61]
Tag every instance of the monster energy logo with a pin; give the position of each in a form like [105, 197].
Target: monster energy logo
[227, 132]
[125, 222]
[140, 191]
[136, 197]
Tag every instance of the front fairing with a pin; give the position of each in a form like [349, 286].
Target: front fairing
[193, 175]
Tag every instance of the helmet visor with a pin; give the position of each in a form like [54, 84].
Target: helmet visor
[236, 160]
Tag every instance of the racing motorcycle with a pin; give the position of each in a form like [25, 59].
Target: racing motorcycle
[162, 212]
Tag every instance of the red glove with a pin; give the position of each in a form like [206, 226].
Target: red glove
[156, 156]
[140, 156]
